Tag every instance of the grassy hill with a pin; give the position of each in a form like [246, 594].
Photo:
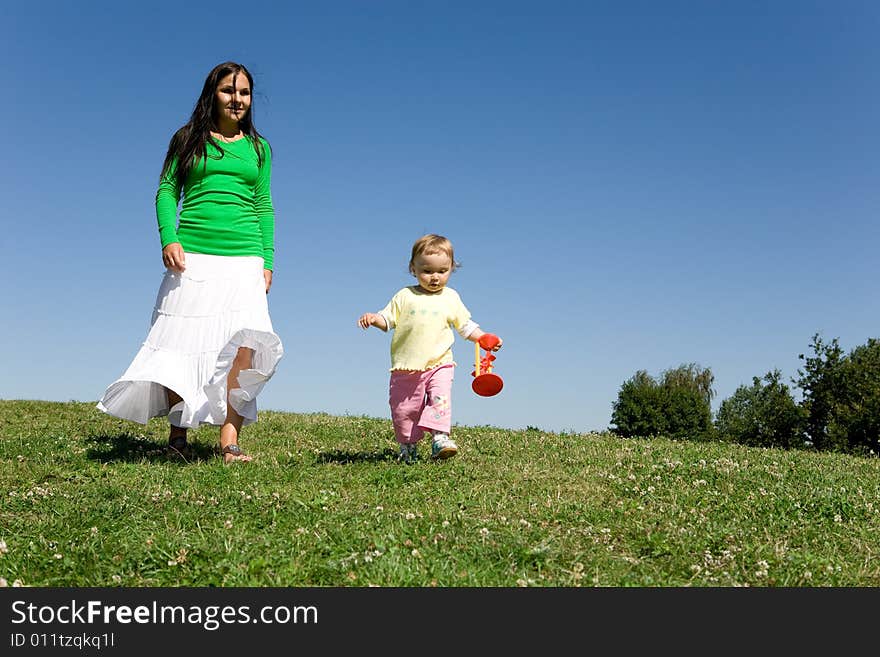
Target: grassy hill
[89, 500]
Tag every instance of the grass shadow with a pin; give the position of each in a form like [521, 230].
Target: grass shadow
[346, 456]
[127, 448]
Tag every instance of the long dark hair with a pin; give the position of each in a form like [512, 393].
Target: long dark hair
[187, 145]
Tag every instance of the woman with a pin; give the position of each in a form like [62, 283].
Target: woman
[211, 346]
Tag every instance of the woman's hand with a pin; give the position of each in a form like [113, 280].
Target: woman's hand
[173, 258]
[267, 274]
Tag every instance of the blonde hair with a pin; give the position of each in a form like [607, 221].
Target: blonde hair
[432, 243]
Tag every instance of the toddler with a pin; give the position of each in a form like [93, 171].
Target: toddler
[422, 316]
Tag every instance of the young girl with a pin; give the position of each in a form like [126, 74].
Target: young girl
[420, 391]
[211, 346]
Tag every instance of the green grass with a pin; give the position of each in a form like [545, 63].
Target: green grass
[89, 500]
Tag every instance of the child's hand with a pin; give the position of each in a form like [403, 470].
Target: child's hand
[366, 320]
[490, 342]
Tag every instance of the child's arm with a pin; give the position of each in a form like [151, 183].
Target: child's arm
[367, 320]
[476, 334]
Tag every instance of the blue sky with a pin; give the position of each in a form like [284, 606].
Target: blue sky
[628, 185]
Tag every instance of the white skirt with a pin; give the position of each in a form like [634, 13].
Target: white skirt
[200, 320]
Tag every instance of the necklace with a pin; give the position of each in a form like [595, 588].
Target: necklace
[224, 138]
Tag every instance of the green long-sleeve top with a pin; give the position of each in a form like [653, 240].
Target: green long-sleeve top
[227, 204]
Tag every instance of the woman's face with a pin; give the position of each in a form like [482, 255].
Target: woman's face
[232, 98]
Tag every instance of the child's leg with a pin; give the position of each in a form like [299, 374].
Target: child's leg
[437, 414]
[406, 396]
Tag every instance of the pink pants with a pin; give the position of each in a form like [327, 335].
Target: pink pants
[421, 401]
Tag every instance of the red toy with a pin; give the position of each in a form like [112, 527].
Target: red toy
[486, 384]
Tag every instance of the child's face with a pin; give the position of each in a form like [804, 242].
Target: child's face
[432, 271]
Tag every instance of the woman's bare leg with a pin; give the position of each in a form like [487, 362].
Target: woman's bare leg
[176, 433]
[232, 426]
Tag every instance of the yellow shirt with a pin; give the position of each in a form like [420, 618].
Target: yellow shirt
[422, 323]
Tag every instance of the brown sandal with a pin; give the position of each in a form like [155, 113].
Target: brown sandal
[177, 445]
[236, 453]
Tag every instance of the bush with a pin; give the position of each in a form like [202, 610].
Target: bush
[761, 415]
[678, 406]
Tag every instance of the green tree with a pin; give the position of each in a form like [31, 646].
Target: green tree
[761, 415]
[638, 411]
[818, 381]
[841, 396]
[691, 377]
[855, 416]
[678, 406]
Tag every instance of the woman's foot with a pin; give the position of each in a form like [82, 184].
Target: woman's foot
[232, 454]
[177, 441]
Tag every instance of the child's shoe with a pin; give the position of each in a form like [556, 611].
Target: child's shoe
[442, 447]
[409, 452]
